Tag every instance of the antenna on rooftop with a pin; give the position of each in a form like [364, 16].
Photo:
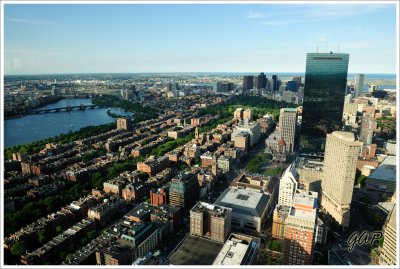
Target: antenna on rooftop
[338, 50]
[317, 49]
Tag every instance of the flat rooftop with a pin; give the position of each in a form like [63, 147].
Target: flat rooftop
[347, 136]
[314, 163]
[232, 253]
[298, 213]
[304, 205]
[386, 171]
[196, 251]
[220, 211]
[305, 199]
[244, 201]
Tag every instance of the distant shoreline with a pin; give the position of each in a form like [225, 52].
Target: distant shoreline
[177, 73]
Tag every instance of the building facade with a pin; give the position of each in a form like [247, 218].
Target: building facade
[124, 124]
[210, 221]
[184, 191]
[358, 85]
[340, 162]
[324, 91]
[389, 248]
[252, 128]
[248, 83]
[289, 128]
[300, 229]
[288, 186]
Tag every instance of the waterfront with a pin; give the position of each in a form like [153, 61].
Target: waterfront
[41, 126]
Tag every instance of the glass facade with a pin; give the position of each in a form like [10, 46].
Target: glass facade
[324, 92]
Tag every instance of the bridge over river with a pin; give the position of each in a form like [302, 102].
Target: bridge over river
[66, 109]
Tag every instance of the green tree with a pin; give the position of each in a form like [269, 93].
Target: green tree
[42, 236]
[18, 248]
[380, 242]
[59, 229]
[362, 180]
[91, 234]
[63, 255]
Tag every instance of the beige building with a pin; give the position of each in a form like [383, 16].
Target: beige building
[241, 140]
[278, 221]
[389, 248]
[210, 221]
[252, 128]
[124, 124]
[341, 154]
[310, 173]
[238, 114]
[248, 115]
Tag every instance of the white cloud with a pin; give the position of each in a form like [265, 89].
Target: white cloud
[24, 21]
[312, 13]
[278, 22]
[255, 15]
[25, 51]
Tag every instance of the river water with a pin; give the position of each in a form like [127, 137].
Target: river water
[40, 126]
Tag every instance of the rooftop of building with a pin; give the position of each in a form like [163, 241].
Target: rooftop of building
[282, 209]
[245, 201]
[304, 199]
[232, 253]
[117, 248]
[248, 124]
[309, 163]
[346, 136]
[242, 134]
[299, 213]
[182, 176]
[207, 155]
[154, 159]
[288, 109]
[386, 170]
[140, 210]
[215, 210]
[195, 251]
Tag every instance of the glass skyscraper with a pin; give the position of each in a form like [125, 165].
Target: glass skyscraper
[324, 92]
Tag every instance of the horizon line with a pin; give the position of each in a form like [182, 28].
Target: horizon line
[184, 72]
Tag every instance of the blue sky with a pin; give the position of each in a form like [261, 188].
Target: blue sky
[44, 39]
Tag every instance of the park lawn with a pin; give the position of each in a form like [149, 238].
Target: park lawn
[273, 171]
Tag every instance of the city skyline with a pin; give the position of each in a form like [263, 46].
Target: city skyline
[162, 38]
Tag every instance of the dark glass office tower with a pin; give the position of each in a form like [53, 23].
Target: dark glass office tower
[261, 81]
[248, 83]
[324, 91]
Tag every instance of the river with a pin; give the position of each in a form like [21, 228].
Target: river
[41, 126]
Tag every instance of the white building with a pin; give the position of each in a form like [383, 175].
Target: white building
[288, 186]
[239, 249]
[249, 207]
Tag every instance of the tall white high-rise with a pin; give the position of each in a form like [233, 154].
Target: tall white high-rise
[287, 186]
[358, 85]
[341, 154]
